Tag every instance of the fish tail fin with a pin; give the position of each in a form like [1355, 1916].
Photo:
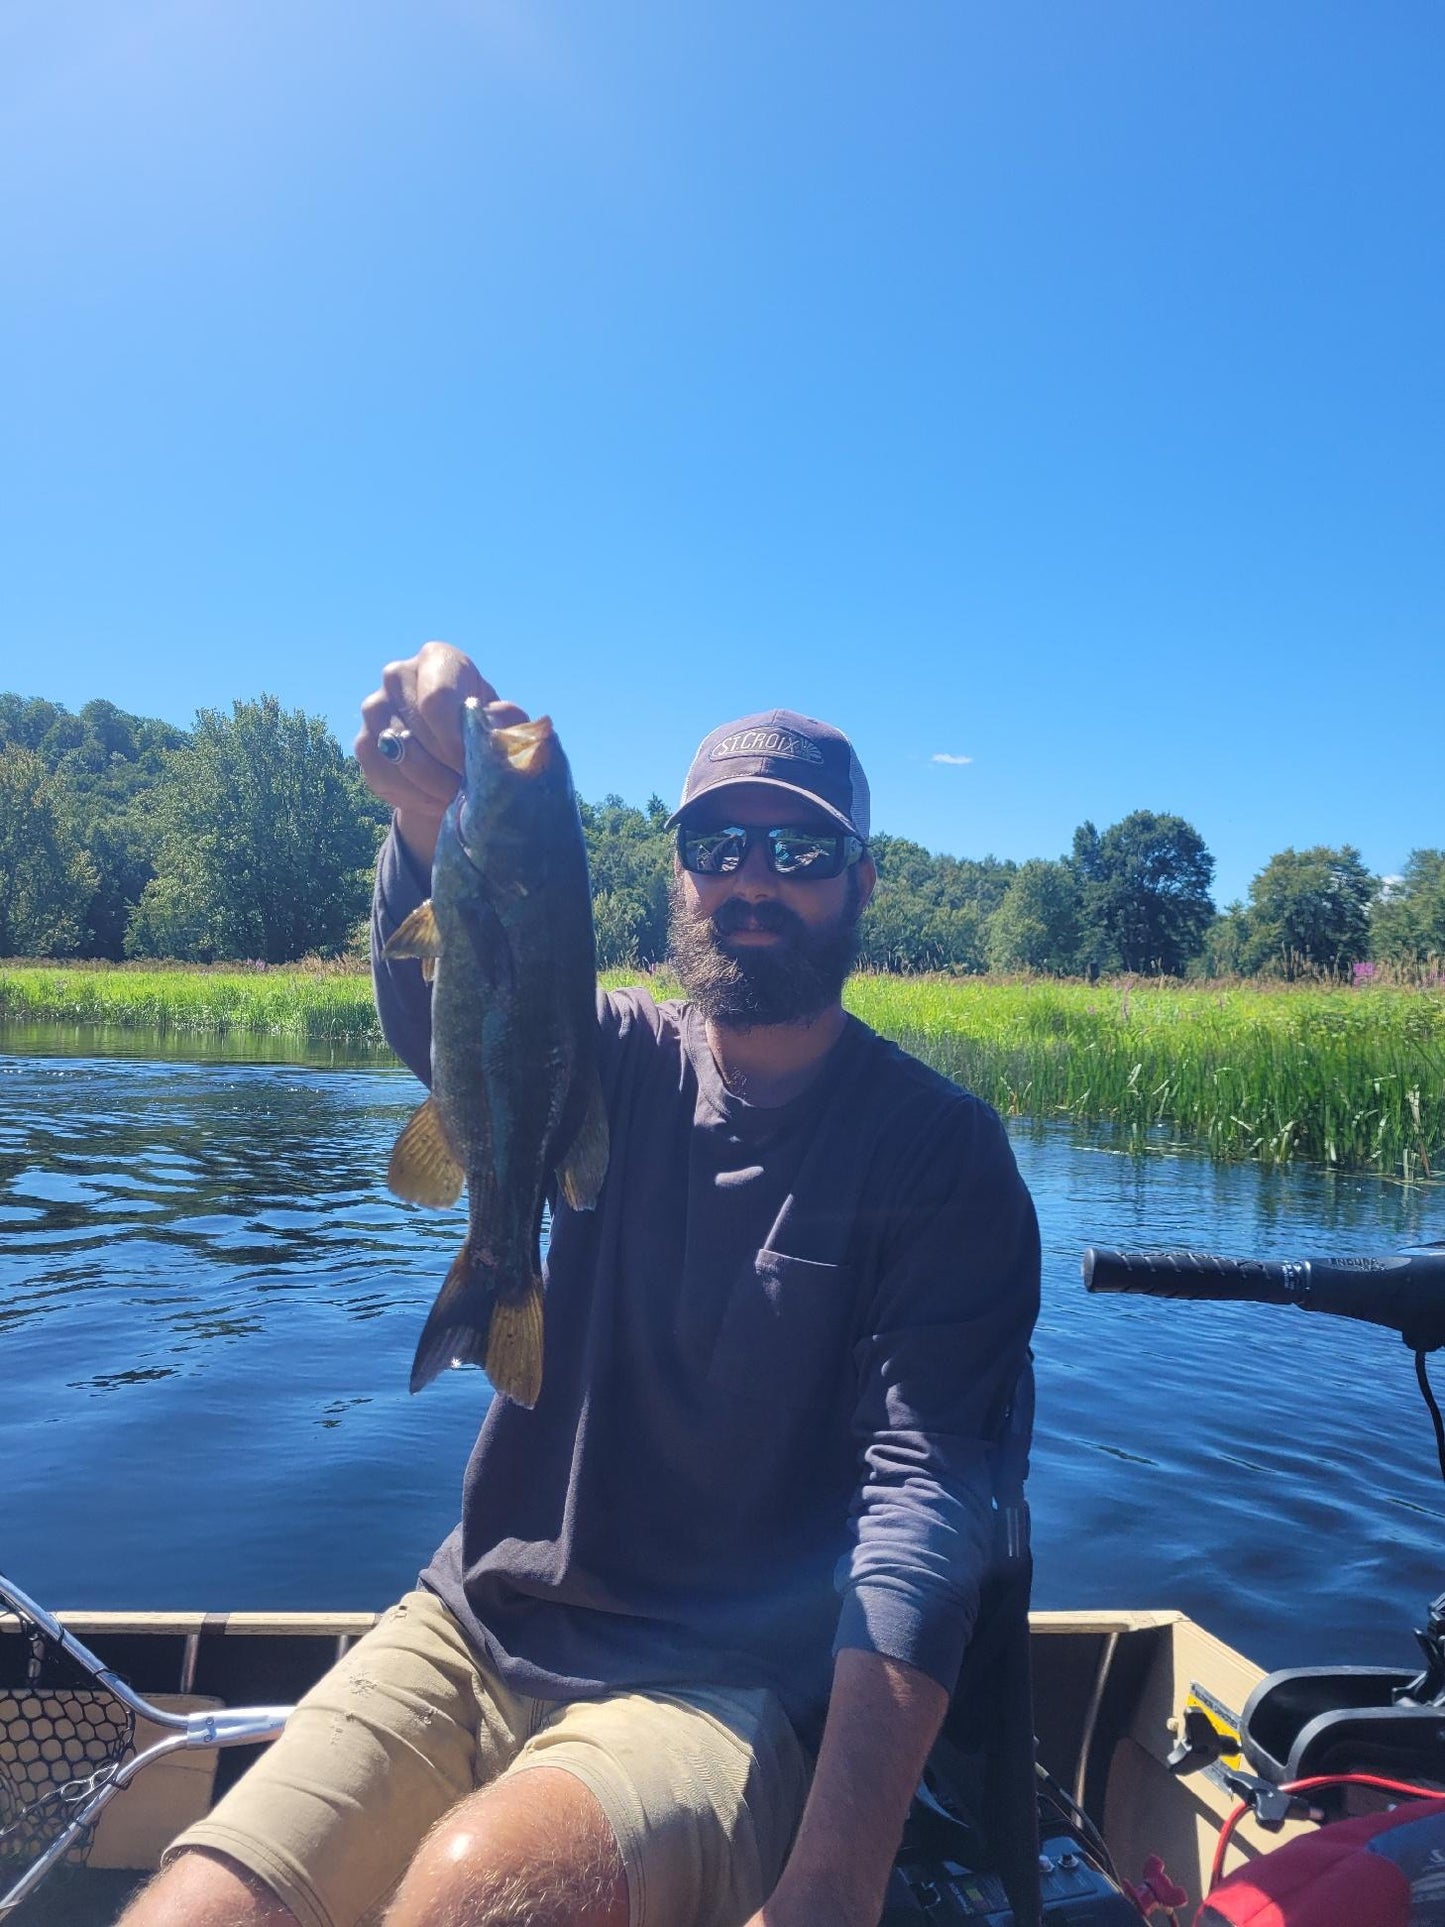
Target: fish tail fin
[514, 1346]
[455, 1332]
[470, 1325]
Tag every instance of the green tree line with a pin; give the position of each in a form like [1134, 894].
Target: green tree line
[251, 835]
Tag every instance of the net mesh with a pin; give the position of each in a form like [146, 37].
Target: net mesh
[61, 1737]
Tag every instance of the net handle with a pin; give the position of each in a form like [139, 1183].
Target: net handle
[228, 1726]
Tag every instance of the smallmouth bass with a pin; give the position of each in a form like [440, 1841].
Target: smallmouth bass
[516, 1101]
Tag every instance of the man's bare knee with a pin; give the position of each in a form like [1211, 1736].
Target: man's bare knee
[203, 1888]
[533, 1850]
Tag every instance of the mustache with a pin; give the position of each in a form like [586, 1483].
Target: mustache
[764, 915]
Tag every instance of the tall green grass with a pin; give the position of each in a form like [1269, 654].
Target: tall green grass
[1349, 1077]
[1353, 1078]
[311, 1002]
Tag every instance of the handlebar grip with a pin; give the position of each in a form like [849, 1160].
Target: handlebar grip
[1190, 1274]
[1404, 1292]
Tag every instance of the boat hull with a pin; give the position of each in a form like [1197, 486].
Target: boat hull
[1109, 1692]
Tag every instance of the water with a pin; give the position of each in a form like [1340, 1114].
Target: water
[209, 1302]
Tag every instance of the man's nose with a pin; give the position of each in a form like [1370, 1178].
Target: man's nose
[752, 877]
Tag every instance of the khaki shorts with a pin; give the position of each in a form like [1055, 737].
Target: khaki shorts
[703, 1789]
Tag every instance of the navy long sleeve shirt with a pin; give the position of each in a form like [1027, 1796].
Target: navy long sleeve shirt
[776, 1356]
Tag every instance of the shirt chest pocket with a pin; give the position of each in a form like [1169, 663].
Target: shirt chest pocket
[786, 1332]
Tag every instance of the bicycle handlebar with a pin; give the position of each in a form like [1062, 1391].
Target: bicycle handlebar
[1404, 1292]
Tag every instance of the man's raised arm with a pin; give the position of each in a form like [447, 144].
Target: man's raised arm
[409, 748]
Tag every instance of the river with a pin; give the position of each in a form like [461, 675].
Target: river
[209, 1302]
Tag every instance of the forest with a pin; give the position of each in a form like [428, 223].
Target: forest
[251, 837]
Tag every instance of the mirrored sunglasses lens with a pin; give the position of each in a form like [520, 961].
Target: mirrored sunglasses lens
[714, 854]
[795, 853]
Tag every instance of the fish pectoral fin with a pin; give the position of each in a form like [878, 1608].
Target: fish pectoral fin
[514, 1346]
[423, 1168]
[416, 936]
[582, 1169]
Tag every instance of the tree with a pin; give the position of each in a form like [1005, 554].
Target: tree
[1036, 925]
[1310, 909]
[46, 878]
[104, 762]
[1144, 893]
[266, 838]
[1226, 948]
[629, 858]
[930, 912]
[1408, 924]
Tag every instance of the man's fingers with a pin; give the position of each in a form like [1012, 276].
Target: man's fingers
[418, 711]
[414, 781]
[427, 692]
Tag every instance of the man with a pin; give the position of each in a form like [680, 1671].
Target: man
[749, 1514]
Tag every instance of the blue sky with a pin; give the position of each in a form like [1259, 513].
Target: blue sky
[1057, 386]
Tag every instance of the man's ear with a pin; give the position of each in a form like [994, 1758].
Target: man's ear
[867, 880]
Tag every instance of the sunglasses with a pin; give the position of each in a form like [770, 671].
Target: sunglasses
[788, 853]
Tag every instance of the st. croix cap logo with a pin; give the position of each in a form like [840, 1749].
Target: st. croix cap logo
[786, 751]
[765, 742]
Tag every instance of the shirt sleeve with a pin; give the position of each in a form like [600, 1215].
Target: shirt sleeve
[946, 1342]
[403, 996]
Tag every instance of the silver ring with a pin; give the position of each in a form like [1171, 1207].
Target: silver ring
[392, 743]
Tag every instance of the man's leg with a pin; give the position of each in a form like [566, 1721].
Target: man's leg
[203, 1889]
[321, 1829]
[633, 1811]
[531, 1851]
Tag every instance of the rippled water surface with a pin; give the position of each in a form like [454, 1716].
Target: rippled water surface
[209, 1303]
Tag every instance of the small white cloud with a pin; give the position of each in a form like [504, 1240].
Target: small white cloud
[957, 761]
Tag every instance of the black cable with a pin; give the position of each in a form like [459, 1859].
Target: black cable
[1429, 1397]
[1078, 1821]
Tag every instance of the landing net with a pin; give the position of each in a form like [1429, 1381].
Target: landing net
[61, 1738]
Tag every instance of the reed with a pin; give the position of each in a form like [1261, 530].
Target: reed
[1349, 1077]
[1353, 1078]
[309, 1001]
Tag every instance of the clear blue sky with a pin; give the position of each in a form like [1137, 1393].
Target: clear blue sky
[1057, 386]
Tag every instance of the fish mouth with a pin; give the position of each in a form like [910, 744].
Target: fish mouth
[526, 746]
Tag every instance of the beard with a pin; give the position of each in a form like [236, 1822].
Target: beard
[790, 982]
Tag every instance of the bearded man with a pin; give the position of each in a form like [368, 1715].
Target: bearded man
[684, 1657]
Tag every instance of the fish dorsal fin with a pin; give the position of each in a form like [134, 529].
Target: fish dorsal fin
[416, 935]
[582, 1170]
[423, 1168]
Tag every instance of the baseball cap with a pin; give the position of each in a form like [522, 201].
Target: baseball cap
[785, 751]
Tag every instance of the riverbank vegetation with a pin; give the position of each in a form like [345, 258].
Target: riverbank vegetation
[1352, 1077]
[251, 836]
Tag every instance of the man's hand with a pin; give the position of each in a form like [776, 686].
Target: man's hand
[423, 696]
[883, 1717]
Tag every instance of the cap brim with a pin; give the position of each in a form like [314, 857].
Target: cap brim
[760, 782]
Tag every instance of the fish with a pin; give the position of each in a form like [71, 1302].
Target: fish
[516, 1105]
